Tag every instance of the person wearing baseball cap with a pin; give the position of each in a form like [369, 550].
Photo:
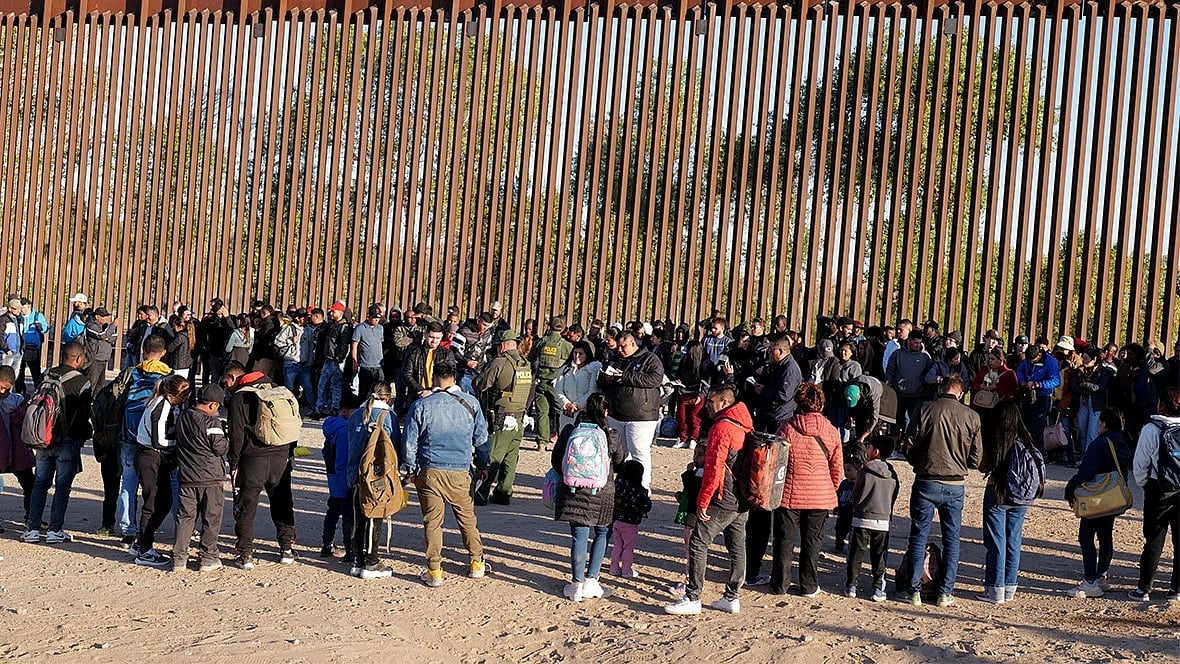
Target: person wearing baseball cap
[337, 336]
[100, 336]
[76, 324]
[200, 444]
[503, 388]
[548, 355]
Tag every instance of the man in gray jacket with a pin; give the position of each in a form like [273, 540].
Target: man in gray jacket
[941, 443]
[906, 374]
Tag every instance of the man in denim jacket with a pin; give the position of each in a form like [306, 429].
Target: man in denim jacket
[445, 432]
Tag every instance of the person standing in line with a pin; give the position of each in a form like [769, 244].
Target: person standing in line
[941, 443]
[631, 383]
[60, 463]
[717, 508]
[200, 445]
[1157, 470]
[446, 437]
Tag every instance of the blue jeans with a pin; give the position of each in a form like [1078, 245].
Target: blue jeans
[1087, 424]
[926, 497]
[467, 383]
[297, 374]
[582, 544]
[127, 513]
[58, 466]
[328, 392]
[1003, 529]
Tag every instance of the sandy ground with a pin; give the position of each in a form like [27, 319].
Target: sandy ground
[85, 601]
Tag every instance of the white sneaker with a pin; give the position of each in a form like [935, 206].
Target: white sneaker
[812, 594]
[354, 571]
[31, 537]
[58, 537]
[728, 605]
[679, 445]
[692, 444]
[591, 589]
[684, 607]
[376, 572]
[879, 595]
[573, 591]
[1083, 590]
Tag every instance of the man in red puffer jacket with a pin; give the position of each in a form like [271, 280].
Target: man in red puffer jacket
[814, 470]
[717, 506]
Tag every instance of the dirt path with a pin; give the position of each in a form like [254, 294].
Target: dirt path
[85, 601]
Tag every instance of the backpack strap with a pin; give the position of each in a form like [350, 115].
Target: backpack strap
[470, 409]
[827, 454]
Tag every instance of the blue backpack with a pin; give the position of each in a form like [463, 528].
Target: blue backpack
[136, 396]
[1026, 474]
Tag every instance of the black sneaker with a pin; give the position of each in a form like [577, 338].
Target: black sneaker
[153, 558]
[129, 539]
[326, 551]
[1139, 594]
[244, 562]
[1173, 595]
[500, 499]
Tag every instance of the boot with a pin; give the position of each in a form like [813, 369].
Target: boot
[1010, 593]
[992, 595]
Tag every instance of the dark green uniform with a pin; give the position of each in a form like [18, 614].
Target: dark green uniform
[549, 353]
[503, 388]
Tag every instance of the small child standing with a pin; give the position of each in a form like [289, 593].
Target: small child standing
[339, 495]
[853, 460]
[686, 513]
[200, 445]
[632, 503]
[873, 498]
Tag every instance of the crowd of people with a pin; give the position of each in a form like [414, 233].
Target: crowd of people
[202, 400]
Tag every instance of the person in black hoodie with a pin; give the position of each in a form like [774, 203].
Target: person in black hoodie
[200, 445]
[1098, 459]
[256, 466]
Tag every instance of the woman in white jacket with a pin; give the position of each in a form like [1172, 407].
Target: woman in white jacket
[576, 382]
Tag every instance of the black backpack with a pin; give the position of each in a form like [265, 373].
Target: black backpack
[1168, 465]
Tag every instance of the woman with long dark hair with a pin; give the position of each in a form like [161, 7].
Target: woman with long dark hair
[1109, 451]
[575, 383]
[589, 513]
[1006, 498]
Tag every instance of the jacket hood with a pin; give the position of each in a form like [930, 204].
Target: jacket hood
[809, 424]
[878, 467]
[1165, 420]
[334, 426]
[250, 379]
[155, 366]
[738, 413]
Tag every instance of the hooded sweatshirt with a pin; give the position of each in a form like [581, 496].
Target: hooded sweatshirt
[874, 495]
[813, 473]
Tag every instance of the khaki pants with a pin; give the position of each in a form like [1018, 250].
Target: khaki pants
[436, 489]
